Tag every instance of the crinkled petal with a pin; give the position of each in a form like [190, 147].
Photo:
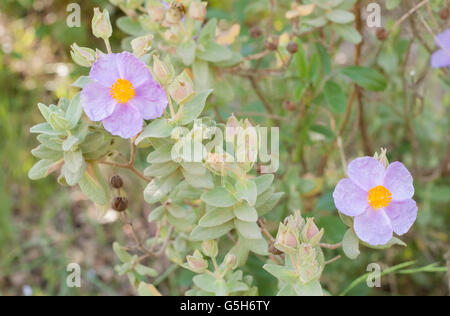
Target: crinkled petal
[367, 172]
[373, 227]
[105, 71]
[399, 182]
[442, 40]
[402, 215]
[349, 198]
[97, 102]
[150, 100]
[125, 122]
[132, 69]
[440, 59]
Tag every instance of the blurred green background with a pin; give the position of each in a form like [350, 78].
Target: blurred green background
[43, 226]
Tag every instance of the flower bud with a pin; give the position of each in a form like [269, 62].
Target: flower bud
[175, 14]
[230, 260]
[156, 13]
[292, 48]
[272, 43]
[289, 105]
[311, 233]
[82, 56]
[255, 32]
[209, 248]
[119, 204]
[101, 25]
[444, 14]
[309, 267]
[182, 88]
[382, 34]
[141, 45]
[116, 182]
[286, 240]
[197, 10]
[382, 157]
[196, 262]
[161, 71]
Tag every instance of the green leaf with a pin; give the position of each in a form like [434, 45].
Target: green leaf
[348, 33]
[82, 82]
[301, 61]
[74, 111]
[350, 244]
[194, 107]
[340, 16]
[213, 52]
[161, 169]
[177, 211]
[208, 31]
[258, 246]
[366, 77]
[219, 197]
[204, 181]
[43, 152]
[69, 143]
[58, 122]
[270, 203]
[147, 271]
[145, 289]
[245, 213]
[44, 128]
[161, 154]
[312, 288]
[281, 273]
[130, 26]
[158, 188]
[394, 241]
[324, 58]
[216, 217]
[186, 51]
[335, 97]
[92, 142]
[249, 230]
[93, 190]
[41, 169]
[121, 253]
[45, 111]
[158, 128]
[208, 233]
[156, 214]
[264, 182]
[206, 282]
[247, 190]
[74, 167]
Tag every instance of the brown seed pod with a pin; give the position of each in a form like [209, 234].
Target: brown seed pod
[444, 14]
[292, 48]
[116, 182]
[289, 105]
[119, 204]
[255, 32]
[272, 43]
[382, 34]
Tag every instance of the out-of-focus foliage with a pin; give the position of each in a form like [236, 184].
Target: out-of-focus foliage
[44, 227]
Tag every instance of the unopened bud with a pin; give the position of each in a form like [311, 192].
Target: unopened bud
[311, 233]
[382, 34]
[444, 14]
[175, 13]
[196, 262]
[182, 88]
[119, 204]
[101, 25]
[272, 43]
[197, 10]
[209, 248]
[82, 56]
[382, 157]
[255, 32]
[161, 71]
[289, 105]
[116, 182]
[286, 240]
[230, 260]
[141, 45]
[292, 48]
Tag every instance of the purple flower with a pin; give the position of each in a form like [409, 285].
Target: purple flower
[122, 94]
[441, 58]
[379, 199]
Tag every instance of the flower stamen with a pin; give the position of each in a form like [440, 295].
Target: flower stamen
[379, 197]
[122, 91]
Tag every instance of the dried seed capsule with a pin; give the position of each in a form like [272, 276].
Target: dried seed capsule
[116, 182]
[289, 106]
[444, 14]
[119, 204]
[272, 43]
[382, 34]
[255, 32]
[292, 47]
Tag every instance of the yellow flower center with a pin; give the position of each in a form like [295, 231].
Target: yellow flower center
[122, 91]
[379, 197]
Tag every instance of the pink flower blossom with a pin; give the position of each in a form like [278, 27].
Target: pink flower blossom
[379, 199]
[122, 94]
